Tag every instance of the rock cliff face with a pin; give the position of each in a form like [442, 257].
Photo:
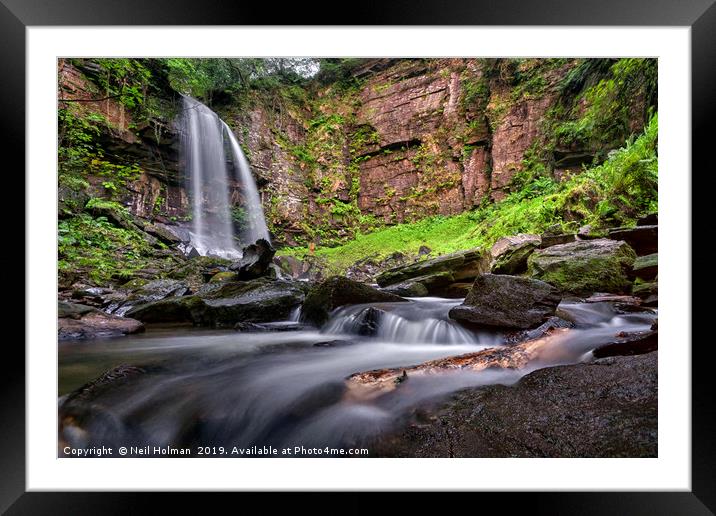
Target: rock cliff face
[407, 138]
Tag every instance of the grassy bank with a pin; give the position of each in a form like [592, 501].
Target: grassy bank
[614, 193]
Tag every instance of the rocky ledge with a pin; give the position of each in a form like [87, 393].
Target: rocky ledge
[607, 408]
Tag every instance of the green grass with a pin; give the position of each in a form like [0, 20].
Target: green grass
[612, 194]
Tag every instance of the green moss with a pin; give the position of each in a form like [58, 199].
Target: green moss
[626, 183]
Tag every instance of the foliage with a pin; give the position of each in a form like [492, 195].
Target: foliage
[623, 188]
[99, 249]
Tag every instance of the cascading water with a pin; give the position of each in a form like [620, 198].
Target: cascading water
[205, 156]
[287, 388]
[255, 223]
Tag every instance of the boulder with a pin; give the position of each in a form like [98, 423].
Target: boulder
[337, 291]
[606, 408]
[260, 300]
[146, 293]
[585, 266]
[509, 254]
[85, 322]
[437, 272]
[645, 267]
[503, 301]
[643, 239]
[255, 260]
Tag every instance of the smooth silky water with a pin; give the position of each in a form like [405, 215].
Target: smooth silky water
[286, 388]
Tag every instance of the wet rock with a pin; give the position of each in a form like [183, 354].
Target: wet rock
[147, 292]
[632, 343]
[600, 297]
[367, 321]
[607, 408]
[585, 266]
[503, 301]
[437, 272]
[255, 260]
[186, 309]
[645, 267]
[643, 239]
[249, 327]
[408, 288]
[85, 322]
[260, 300]
[509, 254]
[424, 250]
[339, 291]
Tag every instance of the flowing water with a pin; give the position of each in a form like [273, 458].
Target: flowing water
[286, 388]
[204, 149]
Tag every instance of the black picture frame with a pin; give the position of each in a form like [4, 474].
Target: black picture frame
[16, 15]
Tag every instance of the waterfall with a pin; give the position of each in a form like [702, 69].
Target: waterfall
[255, 224]
[208, 176]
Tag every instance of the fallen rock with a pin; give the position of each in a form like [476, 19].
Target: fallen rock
[255, 260]
[503, 301]
[438, 272]
[509, 254]
[585, 266]
[337, 291]
[643, 239]
[607, 408]
[163, 233]
[645, 267]
[85, 322]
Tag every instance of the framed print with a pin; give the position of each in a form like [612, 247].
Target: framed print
[427, 255]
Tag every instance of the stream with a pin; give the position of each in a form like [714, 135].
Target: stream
[285, 388]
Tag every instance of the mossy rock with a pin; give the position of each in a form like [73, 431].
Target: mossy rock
[510, 254]
[339, 291]
[585, 266]
[221, 277]
[461, 265]
[646, 267]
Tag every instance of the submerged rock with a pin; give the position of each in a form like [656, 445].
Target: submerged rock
[607, 408]
[85, 322]
[585, 266]
[502, 301]
[339, 291]
[509, 254]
